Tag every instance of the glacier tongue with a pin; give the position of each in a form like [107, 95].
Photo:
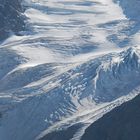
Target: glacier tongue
[87, 85]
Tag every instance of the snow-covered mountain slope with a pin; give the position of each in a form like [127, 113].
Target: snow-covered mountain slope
[71, 67]
[89, 85]
[63, 28]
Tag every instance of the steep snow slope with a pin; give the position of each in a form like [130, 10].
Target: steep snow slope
[71, 67]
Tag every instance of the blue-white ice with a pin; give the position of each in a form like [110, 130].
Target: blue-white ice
[79, 60]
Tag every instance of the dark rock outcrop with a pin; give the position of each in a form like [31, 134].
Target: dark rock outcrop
[11, 18]
[122, 123]
[131, 9]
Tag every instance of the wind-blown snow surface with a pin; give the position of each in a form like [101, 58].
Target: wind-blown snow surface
[72, 67]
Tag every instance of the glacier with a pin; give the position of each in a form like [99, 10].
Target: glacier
[75, 61]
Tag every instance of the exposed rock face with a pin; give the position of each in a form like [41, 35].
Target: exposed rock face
[123, 123]
[131, 9]
[11, 18]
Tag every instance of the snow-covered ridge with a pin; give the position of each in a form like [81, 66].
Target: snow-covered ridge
[119, 75]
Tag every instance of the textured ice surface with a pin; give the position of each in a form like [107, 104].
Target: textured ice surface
[78, 61]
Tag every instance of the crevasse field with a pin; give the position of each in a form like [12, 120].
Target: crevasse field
[78, 60]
